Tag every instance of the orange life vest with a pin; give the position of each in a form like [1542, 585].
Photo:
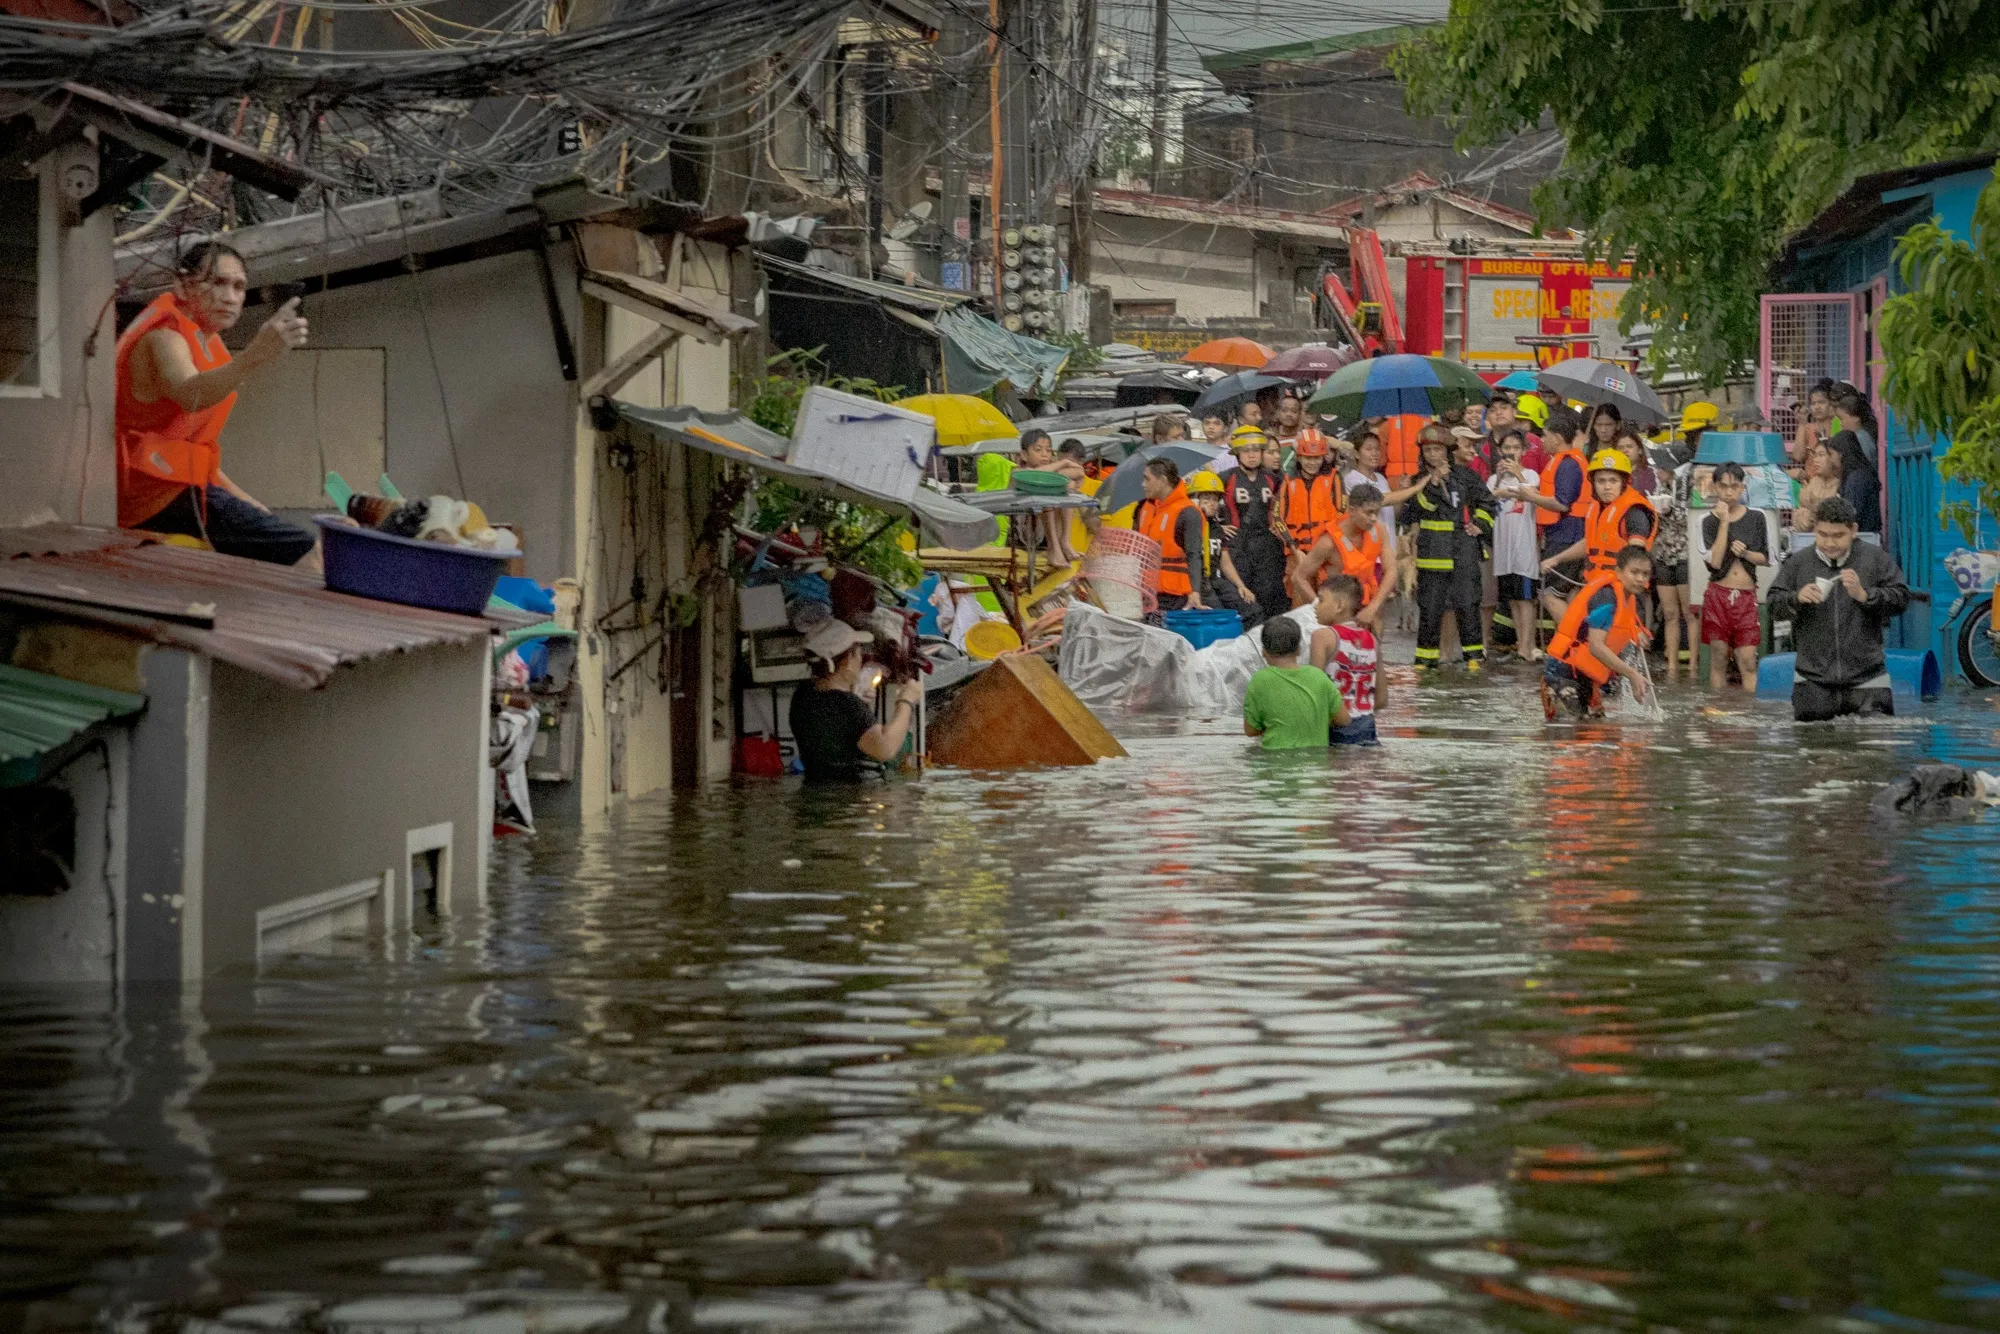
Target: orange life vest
[163, 448]
[1582, 504]
[1572, 642]
[1362, 562]
[1604, 529]
[1158, 519]
[1312, 507]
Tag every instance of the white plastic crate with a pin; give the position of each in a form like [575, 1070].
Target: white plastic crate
[874, 446]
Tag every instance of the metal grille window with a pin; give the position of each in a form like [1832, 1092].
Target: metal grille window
[1802, 339]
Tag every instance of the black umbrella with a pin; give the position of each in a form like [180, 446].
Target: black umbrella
[1125, 486]
[1592, 382]
[1233, 391]
[1147, 387]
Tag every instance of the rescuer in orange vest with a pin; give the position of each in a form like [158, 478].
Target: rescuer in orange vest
[1351, 546]
[1619, 516]
[1561, 499]
[1585, 657]
[1310, 502]
[1170, 518]
[176, 385]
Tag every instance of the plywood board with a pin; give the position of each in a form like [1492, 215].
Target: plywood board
[1015, 714]
[313, 411]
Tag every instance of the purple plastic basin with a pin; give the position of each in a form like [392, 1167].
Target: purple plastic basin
[387, 568]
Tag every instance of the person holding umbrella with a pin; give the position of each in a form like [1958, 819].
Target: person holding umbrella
[1453, 515]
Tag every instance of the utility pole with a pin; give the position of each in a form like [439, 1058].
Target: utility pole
[1159, 135]
[1083, 191]
[957, 43]
[875, 110]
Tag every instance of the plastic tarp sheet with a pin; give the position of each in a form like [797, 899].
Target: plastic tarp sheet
[1119, 665]
[978, 354]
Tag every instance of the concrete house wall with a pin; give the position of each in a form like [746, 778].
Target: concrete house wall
[73, 936]
[56, 457]
[336, 780]
[473, 340]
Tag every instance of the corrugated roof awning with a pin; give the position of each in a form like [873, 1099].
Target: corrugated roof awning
[976, 353]
[733, 436]
[41, 713]
[281, 623]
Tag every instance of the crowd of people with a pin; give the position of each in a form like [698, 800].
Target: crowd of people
[1533, 533]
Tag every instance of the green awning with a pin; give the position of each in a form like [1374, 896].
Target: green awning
[978, 354]
[41, 713]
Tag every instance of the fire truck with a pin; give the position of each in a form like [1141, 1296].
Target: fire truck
[1496, 305]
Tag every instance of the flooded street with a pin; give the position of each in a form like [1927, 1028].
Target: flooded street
[1495, 1028]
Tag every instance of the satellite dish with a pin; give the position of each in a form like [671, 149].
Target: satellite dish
[912, 222]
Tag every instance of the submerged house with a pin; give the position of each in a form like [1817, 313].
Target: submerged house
[1833, 278]
[212, 761]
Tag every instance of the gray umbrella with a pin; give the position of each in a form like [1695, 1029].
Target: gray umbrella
[1125, 484]
[1592, 382]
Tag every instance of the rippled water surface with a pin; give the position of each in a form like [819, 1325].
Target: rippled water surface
[1495, 1028]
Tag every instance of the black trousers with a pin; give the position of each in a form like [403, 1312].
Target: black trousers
[233, 527]
[1815, 703]
[1440, 591]
[1262, 566]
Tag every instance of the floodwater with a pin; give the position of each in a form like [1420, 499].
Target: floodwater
[1496, 1028]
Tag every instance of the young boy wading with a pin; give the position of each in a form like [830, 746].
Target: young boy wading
[1736, 543]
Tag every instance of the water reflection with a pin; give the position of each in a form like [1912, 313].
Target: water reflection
[1623, 1029]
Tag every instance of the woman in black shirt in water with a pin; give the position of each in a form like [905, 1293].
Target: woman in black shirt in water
[835, 729]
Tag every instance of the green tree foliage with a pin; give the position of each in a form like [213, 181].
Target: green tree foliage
[1699, 135]
[1942, 340]
[864, 538]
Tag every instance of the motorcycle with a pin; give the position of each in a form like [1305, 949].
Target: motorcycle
[1974, 573]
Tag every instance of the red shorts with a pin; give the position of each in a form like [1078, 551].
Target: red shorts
[1729, 616]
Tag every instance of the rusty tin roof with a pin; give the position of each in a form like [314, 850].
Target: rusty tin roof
[277, 622]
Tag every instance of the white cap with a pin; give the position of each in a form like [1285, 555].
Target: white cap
[831, 638]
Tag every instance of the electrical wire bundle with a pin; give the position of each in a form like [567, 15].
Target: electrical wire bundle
[527, 95]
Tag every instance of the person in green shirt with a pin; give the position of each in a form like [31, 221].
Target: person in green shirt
[1289, 706]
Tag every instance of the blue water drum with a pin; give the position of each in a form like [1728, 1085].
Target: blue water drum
[1202, 628]
[1913, 675]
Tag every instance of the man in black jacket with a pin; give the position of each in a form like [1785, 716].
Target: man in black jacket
[1838, 594]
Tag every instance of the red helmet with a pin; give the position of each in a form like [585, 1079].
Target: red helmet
[1310, 444]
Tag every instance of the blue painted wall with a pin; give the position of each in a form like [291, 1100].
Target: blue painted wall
[1915, 490]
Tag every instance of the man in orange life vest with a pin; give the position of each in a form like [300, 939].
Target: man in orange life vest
[1585, 656]
[176, 385]
[1170, 517]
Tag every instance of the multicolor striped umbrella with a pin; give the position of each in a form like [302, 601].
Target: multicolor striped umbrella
[1393, 385]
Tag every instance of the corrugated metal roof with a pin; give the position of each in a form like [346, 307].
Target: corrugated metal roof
[278, 622]
[38, 713]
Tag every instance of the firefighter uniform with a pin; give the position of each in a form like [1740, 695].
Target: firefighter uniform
[1248, 497]
[1454, 523]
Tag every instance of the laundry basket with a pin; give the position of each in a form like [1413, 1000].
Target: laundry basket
[1123, 568]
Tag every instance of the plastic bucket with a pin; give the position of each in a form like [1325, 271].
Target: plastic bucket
[376, 565]
[1202, 628]
[1913, 675]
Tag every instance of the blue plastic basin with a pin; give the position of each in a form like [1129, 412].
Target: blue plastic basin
[376, 565]
[1202, 628]
[1913, 675]
[1749, 448]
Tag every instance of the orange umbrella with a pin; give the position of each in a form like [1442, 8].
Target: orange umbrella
[1247, 353]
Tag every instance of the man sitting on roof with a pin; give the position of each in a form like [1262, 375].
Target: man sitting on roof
[176, 385]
